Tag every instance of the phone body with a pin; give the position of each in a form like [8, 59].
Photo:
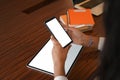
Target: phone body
[96, 6]
[91, 3]
[58, 31]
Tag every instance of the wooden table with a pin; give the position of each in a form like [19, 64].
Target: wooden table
[23, 33]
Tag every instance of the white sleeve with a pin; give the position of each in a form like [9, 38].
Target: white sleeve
[60, 78]
[101, 43]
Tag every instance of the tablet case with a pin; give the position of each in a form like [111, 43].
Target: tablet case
[43, 60]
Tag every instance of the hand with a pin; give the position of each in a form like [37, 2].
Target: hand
[77, 36]
[82, 39]
[59, 55]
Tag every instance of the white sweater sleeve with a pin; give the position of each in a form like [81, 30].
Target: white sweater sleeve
[60, 78]
[101, 43]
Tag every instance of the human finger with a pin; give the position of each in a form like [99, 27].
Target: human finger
[55, 42]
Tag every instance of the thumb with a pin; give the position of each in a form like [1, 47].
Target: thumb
[68, 47]
[53, 40]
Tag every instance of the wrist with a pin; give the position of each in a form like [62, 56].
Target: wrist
[85, 40]
[92, 41]
[59, 70]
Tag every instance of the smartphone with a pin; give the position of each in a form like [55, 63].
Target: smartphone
[58, 31]
[96, 6]
[91, 3]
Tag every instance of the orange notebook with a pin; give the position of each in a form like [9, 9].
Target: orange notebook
[83, 28]
[63, 19]
[80, 17]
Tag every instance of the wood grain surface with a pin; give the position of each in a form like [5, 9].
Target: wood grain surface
[23, 35]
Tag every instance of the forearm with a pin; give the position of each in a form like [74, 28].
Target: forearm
[90, 41]
[98, 42]
[59, 70]
[95, 42]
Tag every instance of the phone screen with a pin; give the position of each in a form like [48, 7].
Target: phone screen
[58, 32]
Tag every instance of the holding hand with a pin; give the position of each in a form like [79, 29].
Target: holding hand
[77, 36]
[82, 39]
[59, 55]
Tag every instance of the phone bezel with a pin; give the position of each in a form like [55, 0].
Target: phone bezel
[62, 28]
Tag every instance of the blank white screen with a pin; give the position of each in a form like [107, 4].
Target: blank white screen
[43, 60]
[58, 32]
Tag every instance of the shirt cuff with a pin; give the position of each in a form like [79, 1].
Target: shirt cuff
[60, 78]
[101, 43]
